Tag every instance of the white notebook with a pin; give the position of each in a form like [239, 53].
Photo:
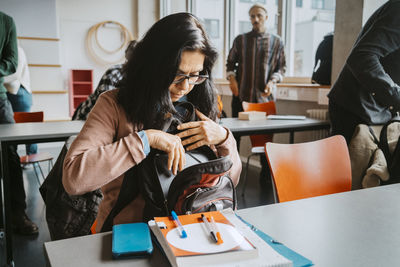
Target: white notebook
[286, 117]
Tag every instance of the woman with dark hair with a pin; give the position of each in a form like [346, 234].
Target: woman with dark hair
[172, 61]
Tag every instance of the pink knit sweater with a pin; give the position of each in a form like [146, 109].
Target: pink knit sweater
[106, 148]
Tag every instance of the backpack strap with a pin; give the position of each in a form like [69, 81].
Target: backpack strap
[383, 141]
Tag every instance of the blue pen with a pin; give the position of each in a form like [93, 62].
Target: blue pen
[178, 224]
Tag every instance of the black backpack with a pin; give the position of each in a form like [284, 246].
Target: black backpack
[392, 159]
[203, 185]
[67, 216]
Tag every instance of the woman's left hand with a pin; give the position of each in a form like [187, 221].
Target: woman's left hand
[199, 133]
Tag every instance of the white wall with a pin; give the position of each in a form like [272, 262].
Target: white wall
[39, 19]
[76, 18]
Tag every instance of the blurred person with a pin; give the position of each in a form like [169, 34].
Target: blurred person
[8, 65]
[256, 62]
[19, 92]
[367, 90]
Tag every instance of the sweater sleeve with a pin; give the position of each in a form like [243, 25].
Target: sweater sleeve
[233, 57]
[380, 40]
[97, 157]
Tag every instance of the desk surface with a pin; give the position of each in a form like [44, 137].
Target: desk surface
[357, 228]
[35, 130]
[265, 126]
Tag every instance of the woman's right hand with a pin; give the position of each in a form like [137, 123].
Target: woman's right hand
[171, 144]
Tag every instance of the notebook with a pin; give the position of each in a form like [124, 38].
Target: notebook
[240, 247]
[286, 117]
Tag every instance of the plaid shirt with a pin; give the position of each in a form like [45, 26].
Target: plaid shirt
[108, 82]
[255, 58]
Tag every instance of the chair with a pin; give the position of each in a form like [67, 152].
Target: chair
[257, 141]
[33, 159]
[309, 169]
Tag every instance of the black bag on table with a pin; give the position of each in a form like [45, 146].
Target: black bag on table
[204, 184]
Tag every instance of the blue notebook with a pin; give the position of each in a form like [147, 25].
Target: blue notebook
[131, 240]
[297, 259]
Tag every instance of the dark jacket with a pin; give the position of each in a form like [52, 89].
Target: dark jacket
[323, 61]
[368, 85]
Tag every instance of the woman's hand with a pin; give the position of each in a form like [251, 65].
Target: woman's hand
[171, 144]
[199, 133]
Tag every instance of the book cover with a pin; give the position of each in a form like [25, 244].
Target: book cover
[131, 240]
[252, 115]
[199, 248]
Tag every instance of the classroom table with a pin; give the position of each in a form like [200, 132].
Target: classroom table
[356, 228]
[22, 133]
[268, 126]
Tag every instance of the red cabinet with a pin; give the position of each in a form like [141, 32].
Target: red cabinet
[80, 87]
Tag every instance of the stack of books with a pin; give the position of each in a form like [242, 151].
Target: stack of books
[213, 239]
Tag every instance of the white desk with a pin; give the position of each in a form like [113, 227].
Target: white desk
[246, 127]
[21, 133]
[358, 228]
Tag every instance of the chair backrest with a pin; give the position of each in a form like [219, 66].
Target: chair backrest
[28, 116]
[309, 169]
[270, 109]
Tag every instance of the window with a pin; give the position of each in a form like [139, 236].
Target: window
[309, 26]
[212, 13]
[317, 4]
[302, 26]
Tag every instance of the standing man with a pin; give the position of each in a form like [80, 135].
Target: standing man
[256, 62]
[8, 65]
[367, 90]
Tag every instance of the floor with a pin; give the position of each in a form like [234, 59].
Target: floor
[28, 251]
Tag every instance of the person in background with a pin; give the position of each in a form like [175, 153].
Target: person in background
[367, 90]
[173, 60]
[323, 61]
[256, 62]
[8, 65]
[19, 92]
[108, 81]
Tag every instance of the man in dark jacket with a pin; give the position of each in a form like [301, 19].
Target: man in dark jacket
[367, 90]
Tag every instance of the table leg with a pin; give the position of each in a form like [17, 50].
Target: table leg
[291, 137]
[6, 205]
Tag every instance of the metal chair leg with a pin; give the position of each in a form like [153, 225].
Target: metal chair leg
[37, 175]
[41, 171]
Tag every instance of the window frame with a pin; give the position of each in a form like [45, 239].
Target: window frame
[285, 29]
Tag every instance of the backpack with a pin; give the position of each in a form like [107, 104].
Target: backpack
[204, 184]
[67, 216]
[392, 158]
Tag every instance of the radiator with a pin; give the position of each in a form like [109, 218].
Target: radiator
[320, 114]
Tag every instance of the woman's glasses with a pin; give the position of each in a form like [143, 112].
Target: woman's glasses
[193, 79]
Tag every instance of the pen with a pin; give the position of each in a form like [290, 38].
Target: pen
[178, 224]
[216, 230]
[205, 220]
